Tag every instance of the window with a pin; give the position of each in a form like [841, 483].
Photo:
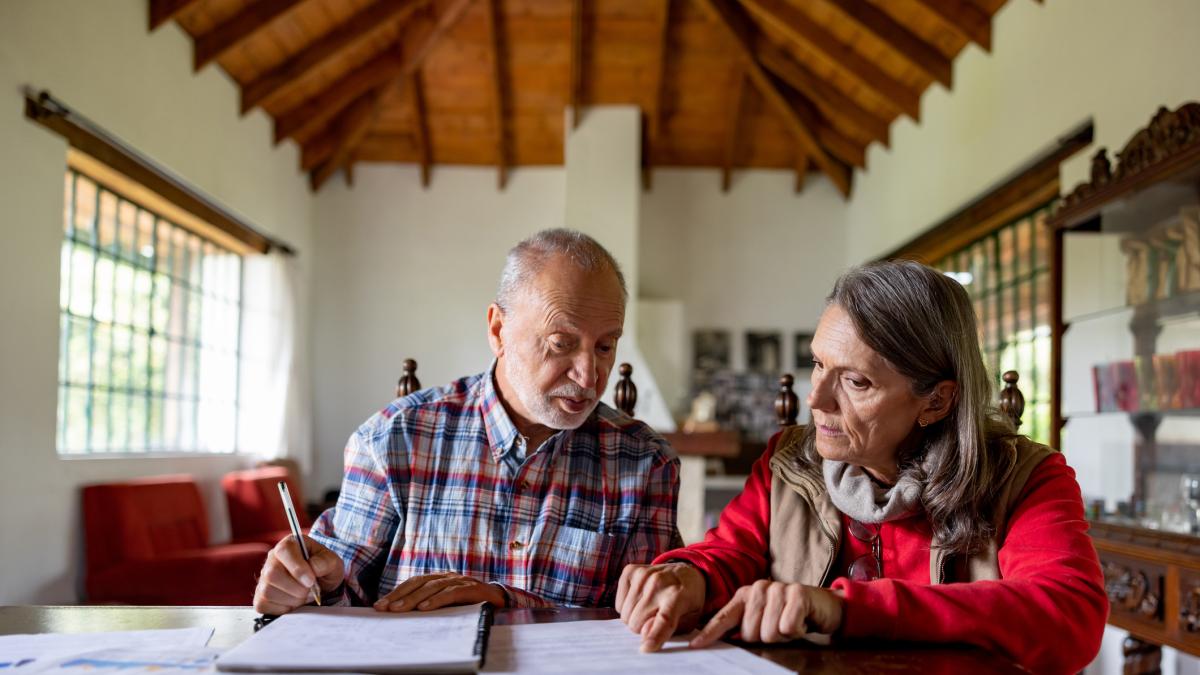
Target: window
[149, 330]
[1007, 276]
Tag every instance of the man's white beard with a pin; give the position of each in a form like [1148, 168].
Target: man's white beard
[541, 407]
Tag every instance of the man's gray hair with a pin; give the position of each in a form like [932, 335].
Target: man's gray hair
[527, 257]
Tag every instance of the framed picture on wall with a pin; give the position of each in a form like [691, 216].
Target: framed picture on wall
[764, 352]
[710, 353]
[802, 350]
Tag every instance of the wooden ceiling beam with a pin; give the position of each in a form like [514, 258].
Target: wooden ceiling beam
[801, 170]
[575, 95]
[421, 127]
[842, 148]
[654, 111]
[828, 99]
[733, 123]
[300, 122]
[326, 48]
[964, 18]
[350, 130]
[425, 35]
[253, 18]
[741, 32]
[499, 94]
[795, 24]
[162, 11]
[308, 117]
[920, 54]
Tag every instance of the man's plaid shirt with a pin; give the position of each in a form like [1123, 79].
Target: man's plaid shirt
[433, 483]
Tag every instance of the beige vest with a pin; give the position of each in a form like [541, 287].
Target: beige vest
[806, 527]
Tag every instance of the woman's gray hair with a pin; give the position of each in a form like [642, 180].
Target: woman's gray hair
[527, 257]
[923, 324]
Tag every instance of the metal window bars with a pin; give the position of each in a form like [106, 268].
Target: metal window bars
[150, 318]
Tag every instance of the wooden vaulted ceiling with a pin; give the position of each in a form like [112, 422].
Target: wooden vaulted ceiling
[805, 85]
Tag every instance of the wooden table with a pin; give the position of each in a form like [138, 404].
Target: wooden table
[234, 624]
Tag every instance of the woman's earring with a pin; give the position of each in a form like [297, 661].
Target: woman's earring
[922, 423]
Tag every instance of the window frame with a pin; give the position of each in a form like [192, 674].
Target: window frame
[189, 343]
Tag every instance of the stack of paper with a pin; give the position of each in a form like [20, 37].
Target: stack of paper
[361, 639]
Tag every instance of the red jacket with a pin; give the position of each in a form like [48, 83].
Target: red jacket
[1047, 612]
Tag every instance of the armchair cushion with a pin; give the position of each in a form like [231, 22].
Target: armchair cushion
[146, 542]
[255, 512]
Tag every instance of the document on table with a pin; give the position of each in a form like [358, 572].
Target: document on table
[26, 651]
[364, 640]
[609, 647]
[158, 660]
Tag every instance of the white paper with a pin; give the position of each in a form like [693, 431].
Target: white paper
[609, 647]
[25, 652]
[132, 661]
[361, 639]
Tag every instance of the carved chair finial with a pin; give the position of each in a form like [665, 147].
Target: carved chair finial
[626, 392]
[1012, 401]
[787, 404]
[408, 382]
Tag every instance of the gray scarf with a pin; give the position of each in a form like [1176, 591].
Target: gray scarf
[856, 495]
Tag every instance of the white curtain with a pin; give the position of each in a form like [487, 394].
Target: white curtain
[274, 396]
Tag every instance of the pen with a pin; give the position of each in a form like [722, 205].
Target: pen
[294, 523]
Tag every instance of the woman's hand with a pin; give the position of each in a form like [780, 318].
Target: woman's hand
[772, 611]
[655, 601]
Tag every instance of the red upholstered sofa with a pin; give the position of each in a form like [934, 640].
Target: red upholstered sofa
[255, 510]
[147, 543]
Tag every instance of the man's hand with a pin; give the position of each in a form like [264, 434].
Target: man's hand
[656, 601]
[286, 580]
[430, 591]
[772, 611]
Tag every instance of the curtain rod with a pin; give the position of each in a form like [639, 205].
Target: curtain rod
[84, 135]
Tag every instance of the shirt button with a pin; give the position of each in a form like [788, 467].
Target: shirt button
[525, 485]
[516, 545]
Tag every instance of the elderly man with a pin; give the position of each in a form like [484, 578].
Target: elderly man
[516, 486]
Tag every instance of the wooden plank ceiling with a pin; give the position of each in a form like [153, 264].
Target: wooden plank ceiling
[803, 85]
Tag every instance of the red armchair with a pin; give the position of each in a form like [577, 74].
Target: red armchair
[147, 544]
[255, 512]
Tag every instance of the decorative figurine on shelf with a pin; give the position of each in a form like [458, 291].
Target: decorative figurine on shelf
[1187, 257]
[1164, 249]
[1138, 288]
[703, 415]
[1101, 168]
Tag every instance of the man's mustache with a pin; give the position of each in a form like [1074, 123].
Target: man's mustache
[571, 390]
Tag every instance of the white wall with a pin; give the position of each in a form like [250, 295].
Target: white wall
[403, 272]
[758, 257]
[97, 57]
[1052, 66]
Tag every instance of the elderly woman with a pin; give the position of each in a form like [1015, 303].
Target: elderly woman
[908, 509]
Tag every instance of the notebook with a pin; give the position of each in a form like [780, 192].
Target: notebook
[360, 639]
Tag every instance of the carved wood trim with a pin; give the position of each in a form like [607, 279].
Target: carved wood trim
[1152, 579]
[1168, 147]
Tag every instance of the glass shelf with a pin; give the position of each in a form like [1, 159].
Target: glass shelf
[1178, 308]
[1092, 414]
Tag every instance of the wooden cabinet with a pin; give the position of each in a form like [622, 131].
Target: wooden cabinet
[1126, 348]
